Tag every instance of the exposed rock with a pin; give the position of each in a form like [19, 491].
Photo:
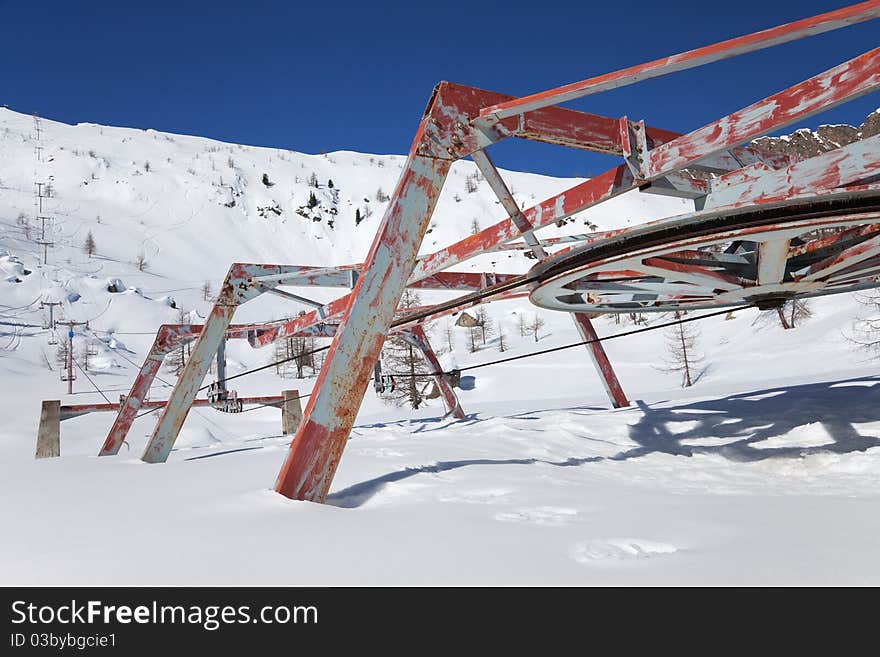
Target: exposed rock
[805, 143]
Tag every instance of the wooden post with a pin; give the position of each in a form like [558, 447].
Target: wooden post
[49, 433]
[291, 412]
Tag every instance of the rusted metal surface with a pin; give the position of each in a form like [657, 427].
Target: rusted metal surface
[581, 321]
[849, 80]
[580, 197]
[330, 413]
[505, 197]
[698, 57]
[820, 244]
[168, 337]
[236, 289]
[416, 335]
[184, 392]
[600, 359]
[424, 314]
[760, 234]
[839, 168]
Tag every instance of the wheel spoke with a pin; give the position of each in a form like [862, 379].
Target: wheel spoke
[706, 278]
[843, 260]
[772, 258]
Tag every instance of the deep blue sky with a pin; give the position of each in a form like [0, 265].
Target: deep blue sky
[321, 76]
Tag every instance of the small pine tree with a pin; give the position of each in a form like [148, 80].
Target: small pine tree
[89, 245]
[147, 166]
[176, 360]
[475, 226]
[681, 345]
[381, 196]
[449, 334]
[412, 374]
[793, 313]
[536, 325]
[522, 324]
[473, 336]
[206, 290]
[313, 201]
[330, 183]
[357, 216]
[313, 180]
[484, 322]
[141, 261]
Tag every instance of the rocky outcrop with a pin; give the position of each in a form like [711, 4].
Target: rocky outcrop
[806, 143]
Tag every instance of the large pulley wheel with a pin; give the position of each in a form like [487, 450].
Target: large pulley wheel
[721, 258]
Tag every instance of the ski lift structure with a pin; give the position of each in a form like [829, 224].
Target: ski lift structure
[766, 229]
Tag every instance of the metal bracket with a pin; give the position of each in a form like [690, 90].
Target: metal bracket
[634, 143]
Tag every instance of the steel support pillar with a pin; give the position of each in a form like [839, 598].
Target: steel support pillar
[131, 403]
[600, 360]
[416, 336]
[330, 414]
[181, 399]
[582, 322]
[221, 363]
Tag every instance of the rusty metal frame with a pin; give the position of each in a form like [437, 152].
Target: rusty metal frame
[168, 338]
[713, 165]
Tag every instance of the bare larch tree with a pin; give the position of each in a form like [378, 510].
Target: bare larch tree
[681, 348]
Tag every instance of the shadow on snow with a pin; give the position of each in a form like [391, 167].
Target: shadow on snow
[741, 420]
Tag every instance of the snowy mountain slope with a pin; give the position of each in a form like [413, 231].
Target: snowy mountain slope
[540, 484]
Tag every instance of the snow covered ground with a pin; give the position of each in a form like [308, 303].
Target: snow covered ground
[765, 471]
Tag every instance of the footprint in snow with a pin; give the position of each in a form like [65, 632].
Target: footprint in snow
[542, 515]
[618, 549]
[479, 496]
[380, 452]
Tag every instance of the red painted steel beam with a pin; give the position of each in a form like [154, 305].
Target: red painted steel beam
[580, 197]
[835, 169]
[870, 248]
[168, 337]
[451, 308]
[591, 192]
[855, 77]
[697, 275]
[184, 392]
[600, 360]
[581, 321]
[330, 413]
[461, 281]
[140, 388]
[332, 310]
[847, 81]
[591, 132]
[238, 288]
[855, 233]
[693, 58]
[449, 134]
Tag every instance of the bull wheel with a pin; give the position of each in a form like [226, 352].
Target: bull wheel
[715, 262]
